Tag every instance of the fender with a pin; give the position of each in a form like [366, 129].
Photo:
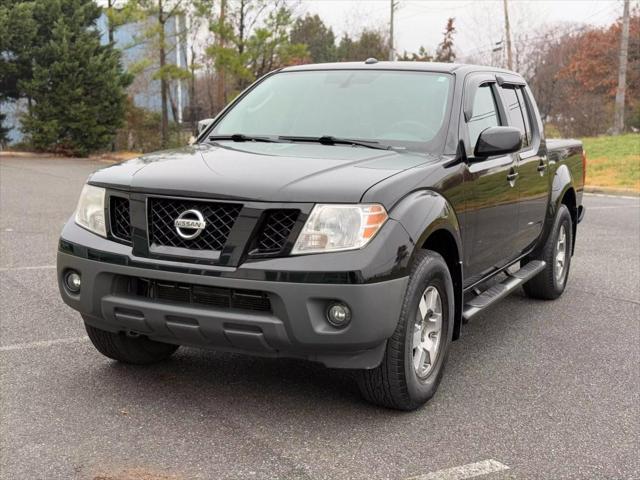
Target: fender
[423, 213]
[562, 182]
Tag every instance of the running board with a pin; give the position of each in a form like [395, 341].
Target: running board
[502, 289]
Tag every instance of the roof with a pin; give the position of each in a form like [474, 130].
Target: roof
[407, 65]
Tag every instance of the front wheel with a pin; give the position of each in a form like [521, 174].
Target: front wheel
[416, 353]
[550, 282]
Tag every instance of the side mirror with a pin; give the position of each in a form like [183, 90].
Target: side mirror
[203, 124]
[498, 141]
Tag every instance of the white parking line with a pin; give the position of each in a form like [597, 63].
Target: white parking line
[614, 207]
[43, 343]
[465, 471]
[34, 267]
[626, 197]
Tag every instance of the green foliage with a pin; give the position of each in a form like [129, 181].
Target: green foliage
[269, 46]
[153, 16]
[20, 36]
[245, 54]
[122, 13]
[633, 117]
[4, 131]
[77, 86]
[139, 133]
[171, 71]
[320, 41]
[371, 43]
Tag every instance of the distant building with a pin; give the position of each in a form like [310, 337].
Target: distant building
[145, 90]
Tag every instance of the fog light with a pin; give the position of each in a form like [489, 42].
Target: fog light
[338, 315]
[72, 279]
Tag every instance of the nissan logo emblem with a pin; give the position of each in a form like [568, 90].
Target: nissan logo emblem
[190, 224]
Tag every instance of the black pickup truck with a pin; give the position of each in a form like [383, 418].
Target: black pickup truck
[353, 214]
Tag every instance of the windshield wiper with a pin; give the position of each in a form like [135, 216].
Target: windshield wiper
[241, 137]
[330, 140]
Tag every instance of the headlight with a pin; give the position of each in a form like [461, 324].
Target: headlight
[332, 228]
[90, 212]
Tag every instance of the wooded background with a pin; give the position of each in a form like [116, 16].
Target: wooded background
[67, 66]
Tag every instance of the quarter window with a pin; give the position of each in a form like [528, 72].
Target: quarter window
[485, 113]
[525, 114]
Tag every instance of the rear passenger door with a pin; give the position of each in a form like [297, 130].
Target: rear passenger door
[492, 207]
[532, 182]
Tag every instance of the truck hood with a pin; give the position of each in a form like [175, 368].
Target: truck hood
[278, 172]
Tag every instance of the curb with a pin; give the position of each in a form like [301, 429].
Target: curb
[19, 154]
[622, 192]
[105, 158]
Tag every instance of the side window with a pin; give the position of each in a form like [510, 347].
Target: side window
[514, 109]
[485, 113]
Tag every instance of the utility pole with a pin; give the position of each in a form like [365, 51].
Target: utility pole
[618, 117]
[508, 35]
[179, 65]
[110, 28]
[221, 99]
[392, 51]
[164, 87]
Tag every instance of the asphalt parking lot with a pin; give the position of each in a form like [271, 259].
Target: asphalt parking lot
[544, 389]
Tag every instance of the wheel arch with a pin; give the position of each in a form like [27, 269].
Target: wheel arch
[563, 192]
[443, 242]
[432, 224]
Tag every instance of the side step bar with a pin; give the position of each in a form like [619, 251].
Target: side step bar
[502, 289]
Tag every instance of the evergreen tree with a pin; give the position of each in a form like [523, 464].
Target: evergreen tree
[4, 131]
[77, 84]
[18, 44]
[371, 43]
[311, 31]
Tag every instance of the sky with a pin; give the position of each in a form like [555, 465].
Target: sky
[480, 23]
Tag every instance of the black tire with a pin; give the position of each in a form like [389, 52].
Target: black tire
[547, 285]
[395, 382]
[126, 349]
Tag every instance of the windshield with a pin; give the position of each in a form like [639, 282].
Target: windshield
[397, 108]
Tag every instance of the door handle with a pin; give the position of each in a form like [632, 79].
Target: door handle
[512, 176]
[541, 168]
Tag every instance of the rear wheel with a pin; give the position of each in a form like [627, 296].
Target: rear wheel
[417, 351]
[550, 282]
[126, 349]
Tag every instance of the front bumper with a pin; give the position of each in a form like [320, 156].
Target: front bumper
[295, 326]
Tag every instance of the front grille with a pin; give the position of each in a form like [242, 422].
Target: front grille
[120, 218]
[199, 295]
[276, 230]
[219, 218]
